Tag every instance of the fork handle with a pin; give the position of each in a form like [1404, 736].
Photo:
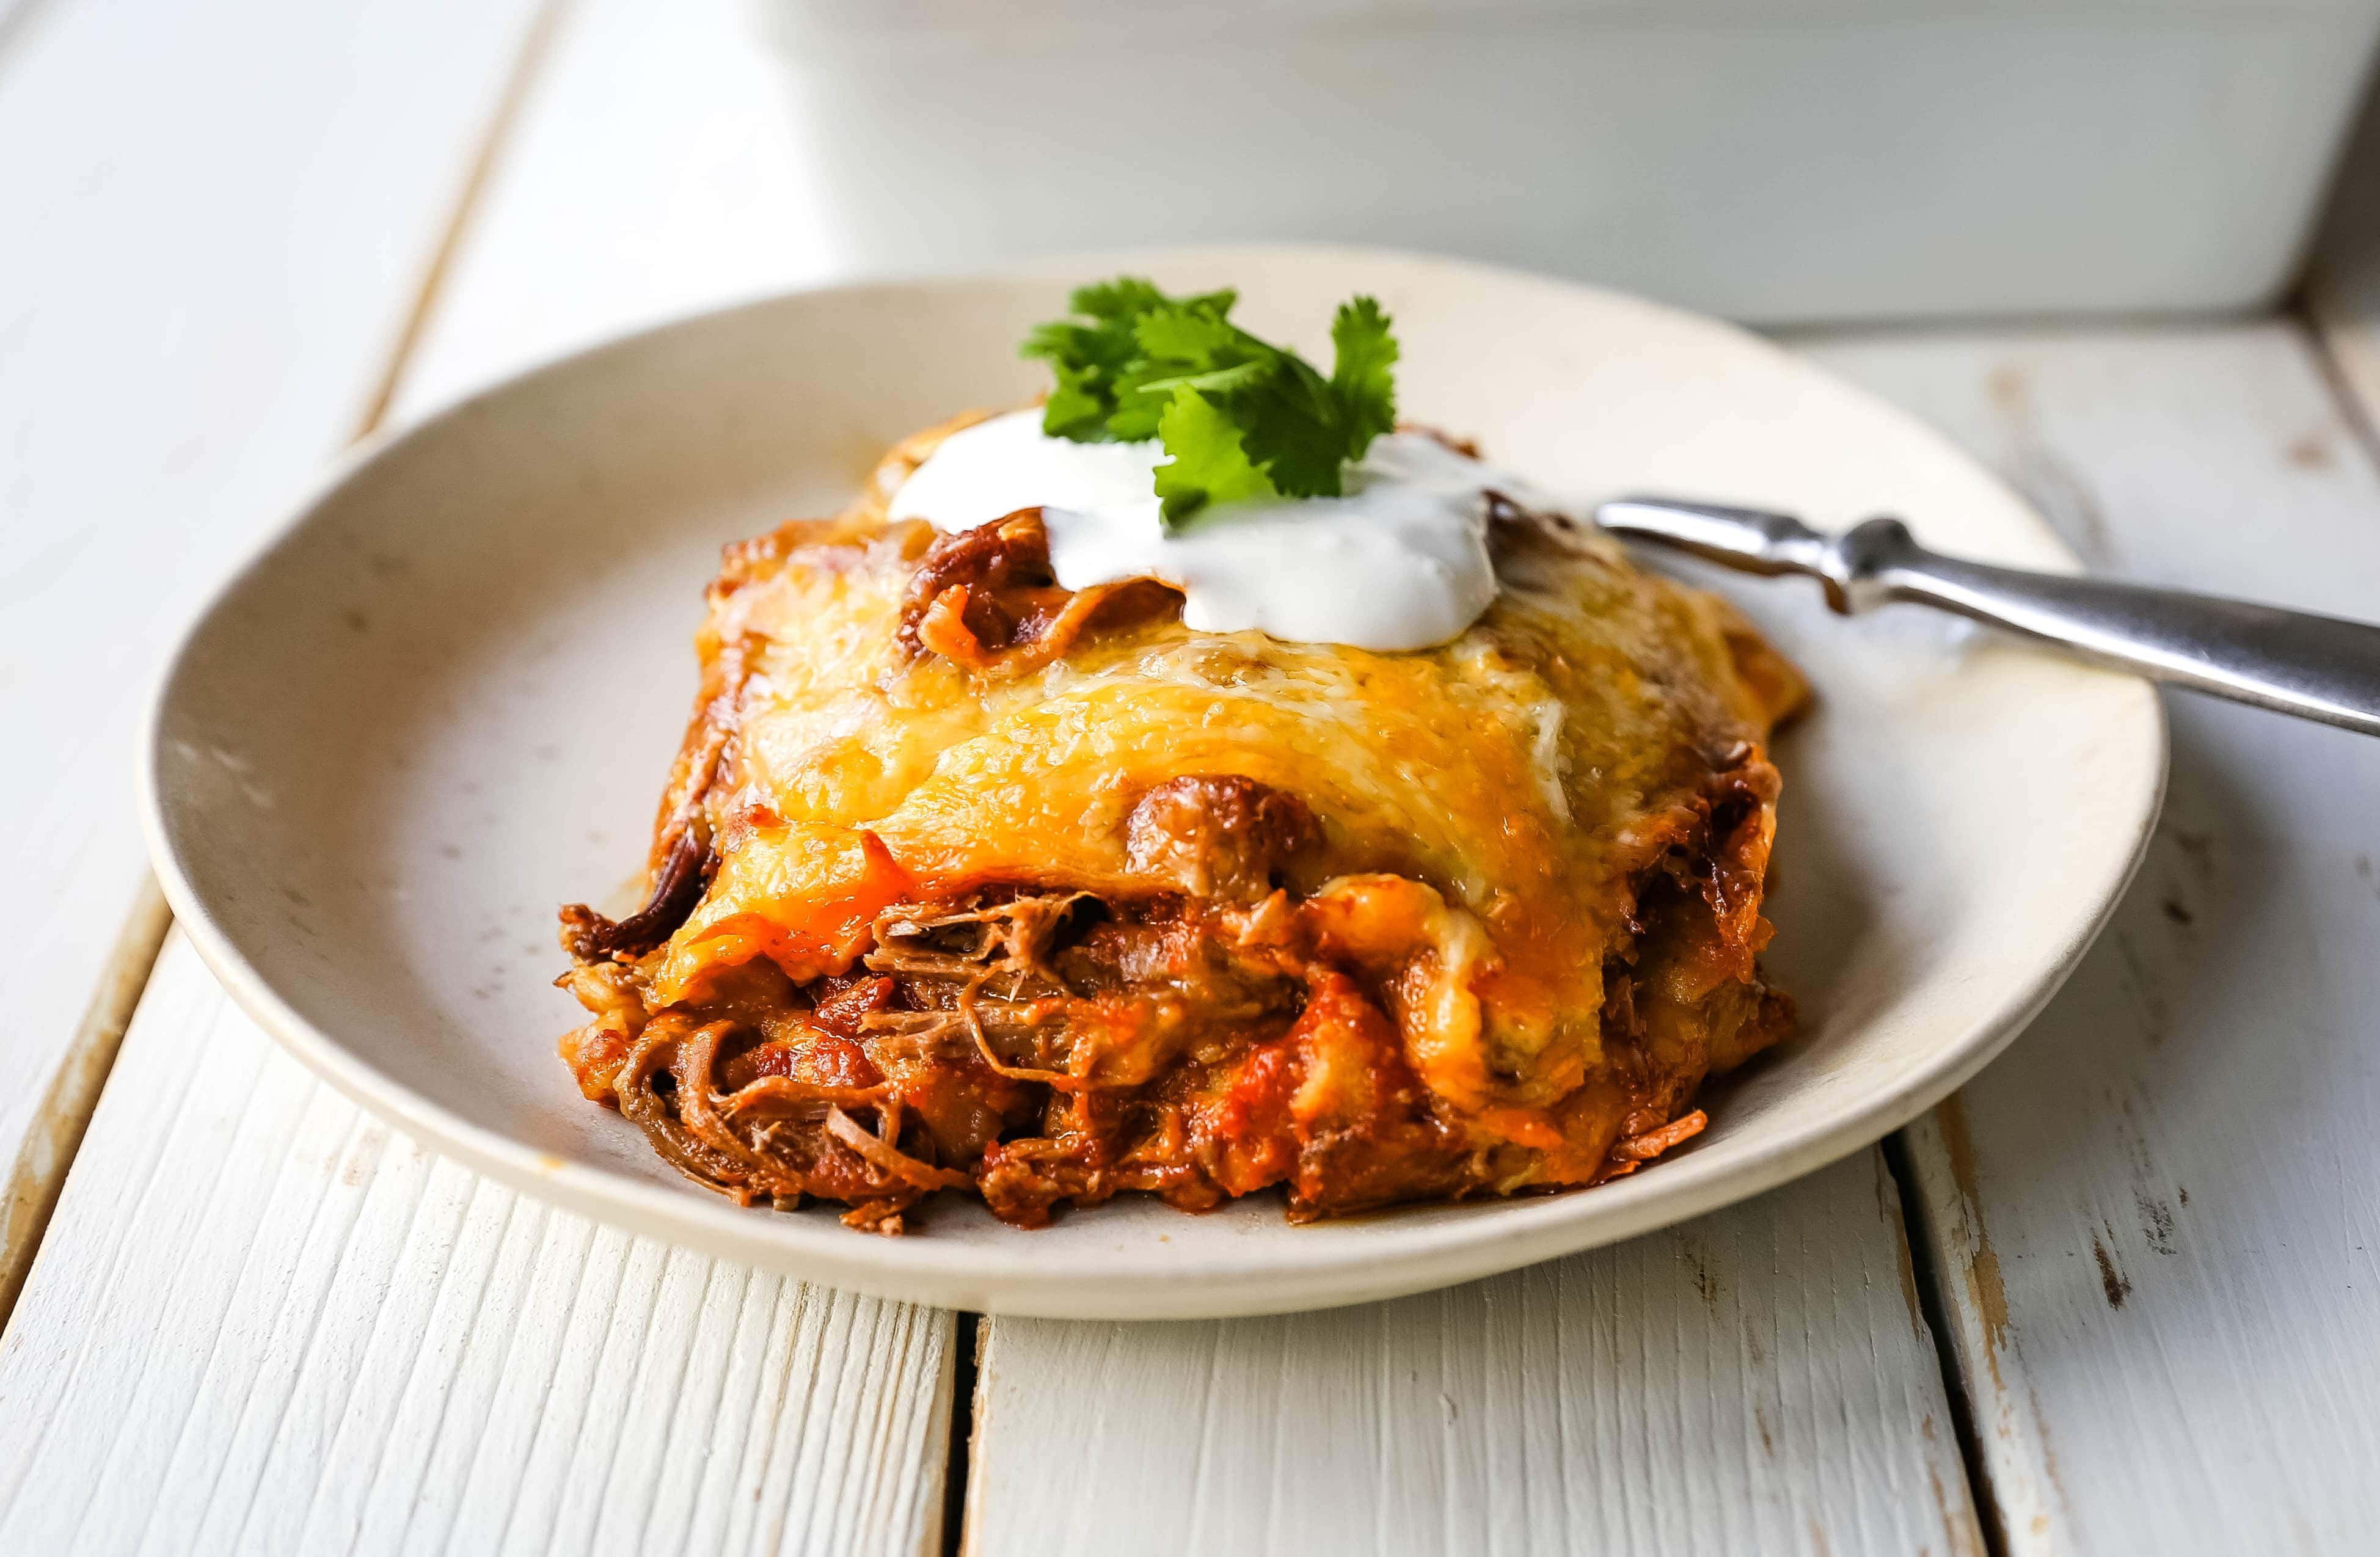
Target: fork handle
[2292, 662]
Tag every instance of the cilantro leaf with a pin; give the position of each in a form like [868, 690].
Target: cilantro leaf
[1208, 465]
[1290, 425]
[1241, 417]
[1092, 361]
[1363, 372]
[1125, 298]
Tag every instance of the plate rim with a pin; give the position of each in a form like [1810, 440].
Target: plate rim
[1521, 1231]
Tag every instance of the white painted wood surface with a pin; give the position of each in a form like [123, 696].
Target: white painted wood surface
[264, 1324]
[654, 173]
[259, 1325]
[2155, 1216]
[646, 178]
[201, 275]
[1758, 1380]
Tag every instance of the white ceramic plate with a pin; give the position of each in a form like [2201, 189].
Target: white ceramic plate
[443, 700]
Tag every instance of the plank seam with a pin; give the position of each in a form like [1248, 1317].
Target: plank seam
[968, 1330]
[2318, 318]
[983, 1344]
[33, 1188]
[117, 1256]
[63, 1117]
[1917, 1236]
[534, 49]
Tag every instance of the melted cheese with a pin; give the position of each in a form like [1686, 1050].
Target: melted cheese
[1527, 771]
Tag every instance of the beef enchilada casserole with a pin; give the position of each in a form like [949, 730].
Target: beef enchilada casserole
[1120, 795]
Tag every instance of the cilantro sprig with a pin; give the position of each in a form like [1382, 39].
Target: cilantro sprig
[1241, 417]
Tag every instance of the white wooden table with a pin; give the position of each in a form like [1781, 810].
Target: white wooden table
[2122, 1295]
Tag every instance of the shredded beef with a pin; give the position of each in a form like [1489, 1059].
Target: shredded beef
[587, 935]
[986, 599]
[1218, 836]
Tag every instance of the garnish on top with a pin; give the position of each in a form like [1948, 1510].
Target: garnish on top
[1242, 418]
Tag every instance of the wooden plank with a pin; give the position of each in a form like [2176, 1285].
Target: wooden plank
[55, 1131]
[1758, 1380]
[655, 173]
[2154, 1215]
[266, 1324]
[205, 262]
[261, 1323]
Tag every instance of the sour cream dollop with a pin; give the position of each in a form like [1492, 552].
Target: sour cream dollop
[1399, 562]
